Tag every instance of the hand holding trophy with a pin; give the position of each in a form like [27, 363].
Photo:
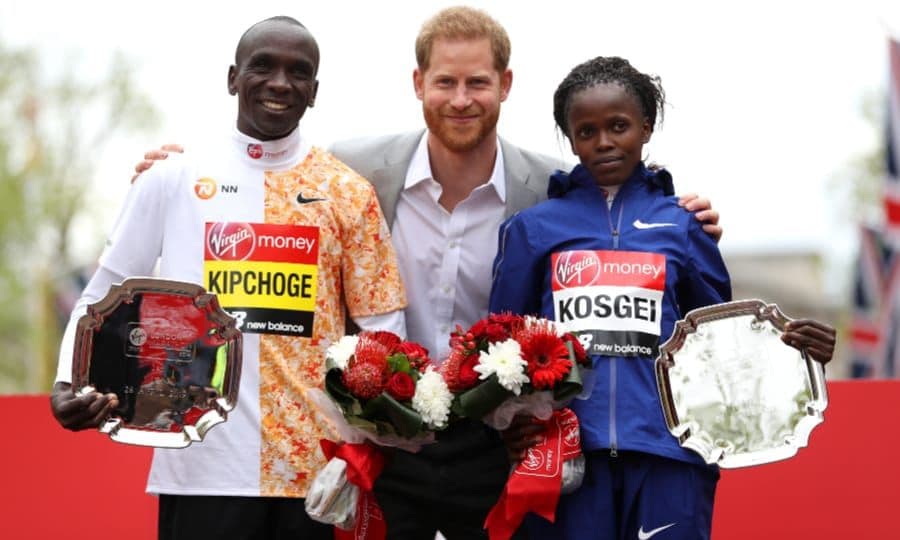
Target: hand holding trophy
[733, 390]
[168, 353]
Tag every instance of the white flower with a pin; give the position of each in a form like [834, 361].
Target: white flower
[340, 352]
[504, 359]
[432, 399]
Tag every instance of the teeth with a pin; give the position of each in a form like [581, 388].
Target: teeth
[274, 106]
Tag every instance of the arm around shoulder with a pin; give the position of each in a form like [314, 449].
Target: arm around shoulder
[706, 281]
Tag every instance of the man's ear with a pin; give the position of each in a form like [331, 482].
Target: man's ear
[312, 97]
[232, 75]
[505, 84]
[419, 83]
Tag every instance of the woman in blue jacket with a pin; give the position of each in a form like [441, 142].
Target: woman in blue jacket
[612, 255]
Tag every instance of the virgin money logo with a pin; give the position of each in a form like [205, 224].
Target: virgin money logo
[254, 150]
[576, 268]
[137, 336]
[534, 459]
[231, 241]
[205, 188]
[571, 437]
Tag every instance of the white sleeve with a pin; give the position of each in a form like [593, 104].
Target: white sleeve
[96, 289]
[135, 242]
[394, 321]
[132, 249]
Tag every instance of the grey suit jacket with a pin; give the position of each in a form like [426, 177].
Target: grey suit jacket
[384, 161]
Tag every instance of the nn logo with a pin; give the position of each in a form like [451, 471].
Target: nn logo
[206, 188]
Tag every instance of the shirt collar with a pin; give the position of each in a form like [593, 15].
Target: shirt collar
[274, 154]
[420, 169]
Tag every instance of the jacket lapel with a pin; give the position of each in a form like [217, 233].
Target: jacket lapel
[518, 194]
[389, 180]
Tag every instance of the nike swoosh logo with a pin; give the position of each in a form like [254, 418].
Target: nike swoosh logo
[303, 200]
[638, 224]
[649, 534]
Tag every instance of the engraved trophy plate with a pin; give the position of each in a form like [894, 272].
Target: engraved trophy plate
[732, 391]
[168, 351]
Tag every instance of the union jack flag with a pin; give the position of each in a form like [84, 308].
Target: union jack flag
[892, 184]
[875, 317]
[875, 332]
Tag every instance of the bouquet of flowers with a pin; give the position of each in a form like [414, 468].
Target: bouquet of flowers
[507, 365]
[510, 364]
[379, 391]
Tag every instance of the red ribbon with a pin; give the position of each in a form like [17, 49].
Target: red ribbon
[535, 483]
[364, 463]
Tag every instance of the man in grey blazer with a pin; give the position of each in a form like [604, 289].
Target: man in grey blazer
[444, 191]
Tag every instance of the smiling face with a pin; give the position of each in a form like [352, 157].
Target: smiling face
[274, 78]
[607, 131]
[461, 92]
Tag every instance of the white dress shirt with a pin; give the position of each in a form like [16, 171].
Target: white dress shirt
[446, 257]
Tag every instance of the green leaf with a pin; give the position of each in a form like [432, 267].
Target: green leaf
[339, 393]
[404, 420]
[482, 399]
[398, 362]
[571, 384]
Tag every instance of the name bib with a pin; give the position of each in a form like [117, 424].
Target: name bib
[264, 275]
[611, 299]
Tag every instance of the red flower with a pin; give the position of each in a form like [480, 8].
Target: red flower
[365, 380]
[416, 354]
[580, 354]
[546, 354]
[511, 322]
[371, 351]
[450, 370]
[489, 331]
[468, 377]
[388, 339]
[401, 386]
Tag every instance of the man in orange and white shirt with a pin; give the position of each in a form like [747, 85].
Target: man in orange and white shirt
[290, 239]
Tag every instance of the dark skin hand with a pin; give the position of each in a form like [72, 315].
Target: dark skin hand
[818, 339]
[80, 412]
[524, 432]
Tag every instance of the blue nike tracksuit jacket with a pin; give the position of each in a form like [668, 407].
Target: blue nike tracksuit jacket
[623, 413]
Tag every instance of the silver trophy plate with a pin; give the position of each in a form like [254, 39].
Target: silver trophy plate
[170, 354]
[732, 391]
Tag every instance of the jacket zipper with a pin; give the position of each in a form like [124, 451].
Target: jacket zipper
[613, 386]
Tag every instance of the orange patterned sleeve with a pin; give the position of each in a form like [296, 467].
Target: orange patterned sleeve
[371, 277]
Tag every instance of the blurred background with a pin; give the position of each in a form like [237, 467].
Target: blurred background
[779, 112]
